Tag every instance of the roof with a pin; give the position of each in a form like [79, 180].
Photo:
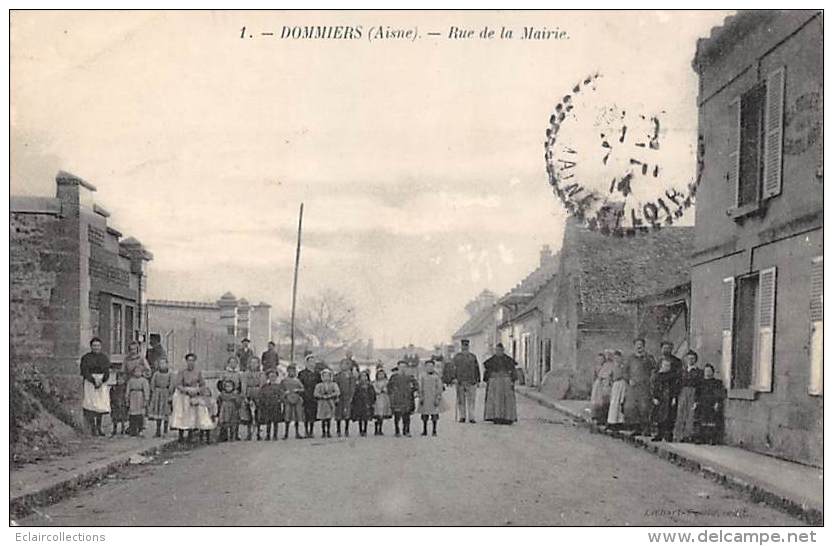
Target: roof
[183, 304]
[612, 270]
[476, 323]
[529, 286]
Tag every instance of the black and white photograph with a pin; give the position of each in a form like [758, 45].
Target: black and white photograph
[416, 268]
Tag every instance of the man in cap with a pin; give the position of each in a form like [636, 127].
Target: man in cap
[245, 354]
[269, 359]
[465, 374]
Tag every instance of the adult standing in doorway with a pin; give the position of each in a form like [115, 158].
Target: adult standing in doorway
[465, 375]
[95, 369]
[500, 377]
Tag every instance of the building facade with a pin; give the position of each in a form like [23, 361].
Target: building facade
[211, 330]
[758, 258]
[72, 277]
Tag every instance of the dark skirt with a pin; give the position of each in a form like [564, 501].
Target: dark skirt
[684, 427]
[501, 406]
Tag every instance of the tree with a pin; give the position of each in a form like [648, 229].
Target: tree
[327, 319]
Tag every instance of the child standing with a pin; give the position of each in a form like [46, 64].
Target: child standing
[206, 413]
[401, 388]
[161, 389]
[250, 386]
[346, 381]
[138, 397]
[269, 410]
[293, 401]
[326, 393]
[228, 410]
[708, 408]
[665, 387]
[364, 397]
[430, 398]
[118, 403]
[381, 409]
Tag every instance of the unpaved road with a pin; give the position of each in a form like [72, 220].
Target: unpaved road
[543, 470]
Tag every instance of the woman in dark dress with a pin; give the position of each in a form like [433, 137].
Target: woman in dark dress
[665, 386]
[708, 408]
[309, 378]
[500, 377]
[692, 376]
[361, 407]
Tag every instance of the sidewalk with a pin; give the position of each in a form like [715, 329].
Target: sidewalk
[792, 487]
[44, 483]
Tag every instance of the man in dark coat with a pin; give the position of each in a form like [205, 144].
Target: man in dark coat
[401, 389]
[245, 354]
[155, 352]
[666, 349]
[638, 370]
[269, 359]
[466, 375]
[309, 378]
[95, 369]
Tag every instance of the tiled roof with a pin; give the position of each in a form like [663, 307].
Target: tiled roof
[612, 270]
[527, 288]
[477, 323]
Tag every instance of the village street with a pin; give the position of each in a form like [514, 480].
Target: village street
[544, 470]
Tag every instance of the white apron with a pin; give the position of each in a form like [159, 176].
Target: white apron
[183, 415]
[96, 399]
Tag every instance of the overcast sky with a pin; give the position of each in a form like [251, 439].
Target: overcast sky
[420, 163]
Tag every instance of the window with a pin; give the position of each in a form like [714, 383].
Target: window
[547, 355]
[755, 144]
[748, 321]
[130, 335]
[230, 330]
[116, 329]
[816, 386]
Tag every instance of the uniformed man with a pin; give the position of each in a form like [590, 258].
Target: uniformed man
[465, 375]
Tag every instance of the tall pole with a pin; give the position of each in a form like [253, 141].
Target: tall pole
[295, 289]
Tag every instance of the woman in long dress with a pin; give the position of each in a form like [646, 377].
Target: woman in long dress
[187, 385]
[708, 410]
[95, 369]
[616, 410]
[500, 377]
[600, 393]
[691, 378]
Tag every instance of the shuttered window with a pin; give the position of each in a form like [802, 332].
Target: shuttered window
[727, 320]
[773, 132]
[816, 386]
[766, 326]
[733, 147]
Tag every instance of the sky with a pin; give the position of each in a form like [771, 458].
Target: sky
[419, 163]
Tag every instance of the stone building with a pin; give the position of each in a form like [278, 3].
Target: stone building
[600, 279]
[756, 278]
[211, 330]
[72, 277]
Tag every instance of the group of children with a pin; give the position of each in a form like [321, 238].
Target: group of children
[134, 396]
[261, 400]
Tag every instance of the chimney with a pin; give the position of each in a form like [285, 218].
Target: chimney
[546, 254]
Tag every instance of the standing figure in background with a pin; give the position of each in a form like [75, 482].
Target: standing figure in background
[710, 397]
[270, 405]
[245, 354]
[618, 391]
[228, 411]
[138, 398]
[602, 384]
[665, 387]
[466, 376]
[118, 403]
[691, 378]
[155, 352]
[293, 402]
[364, 397]
[346, 381]
[134, 360]
[309, 377]
[430, 398]
[381, 408]
[638, 370]
[95, 369]
[401, 388]
[161, 389]
[326, 393]
[500, 376]
[251, 381]
[269, 359]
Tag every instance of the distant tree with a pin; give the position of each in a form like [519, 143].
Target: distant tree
[326, 319]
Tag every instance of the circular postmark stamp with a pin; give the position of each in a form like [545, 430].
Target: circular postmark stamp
[619, 170]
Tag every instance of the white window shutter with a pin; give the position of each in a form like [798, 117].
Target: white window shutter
[773, 132]
[816, 386]
[727, 318]
[766, 327]
[733, 175]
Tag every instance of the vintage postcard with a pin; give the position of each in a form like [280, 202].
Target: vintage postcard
[416, 268]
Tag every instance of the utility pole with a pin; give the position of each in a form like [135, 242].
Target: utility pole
[295, 289]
